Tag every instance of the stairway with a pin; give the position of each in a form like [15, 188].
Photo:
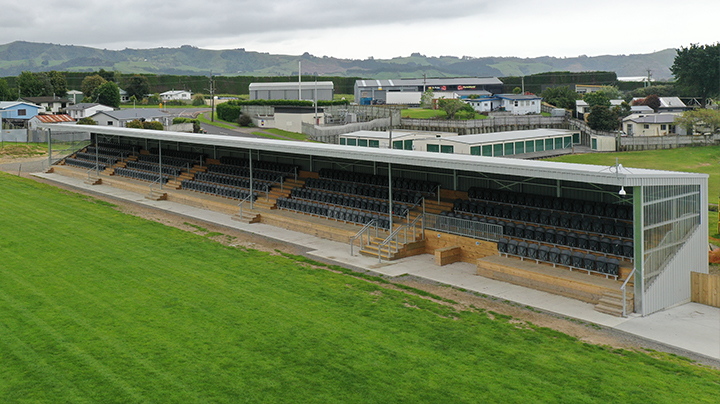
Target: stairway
[372, 249]
[248, 216]
[156, 196]
[611, 303]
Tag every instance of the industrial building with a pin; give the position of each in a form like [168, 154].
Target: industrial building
[409, 91]
[311, 90]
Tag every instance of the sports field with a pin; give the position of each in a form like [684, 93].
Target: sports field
[101, 307]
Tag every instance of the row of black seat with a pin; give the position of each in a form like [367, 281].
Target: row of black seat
[609, 210]
[186, 155]
[217, 189]
[371, 191]
[106, 160]
[104, 151]
[152, 167]
[222, 179]
[263, 165]
[259, 174]
[83, 163]
[554, 255]
[374, 205]
[118, 146]
[550, 218]
[426, 187]
[333, 212]
[141, 175]
[570, 239]
[166, 161]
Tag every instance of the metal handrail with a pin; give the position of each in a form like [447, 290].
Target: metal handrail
[365, 229]
[160, 178]
[413, 225]
[632, 274]
[388, 240]
[269, 185]
[243, 201]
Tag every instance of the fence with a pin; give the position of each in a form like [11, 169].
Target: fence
[462, 227]
[14, 135]
[705, 289]
[329, 134]
[492, 124]
[667, 142]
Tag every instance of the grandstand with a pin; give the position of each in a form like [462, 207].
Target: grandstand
[587, 232]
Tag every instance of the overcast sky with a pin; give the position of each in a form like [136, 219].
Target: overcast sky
[362, 28]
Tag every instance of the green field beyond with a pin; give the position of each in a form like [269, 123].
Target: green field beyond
[101, 307]
[703, 160]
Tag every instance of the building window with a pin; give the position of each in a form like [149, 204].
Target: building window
[646, 126]
[22, 112]
[109, 123]
[594, 144]
[576, 138]
[447, 149]
[663, 127]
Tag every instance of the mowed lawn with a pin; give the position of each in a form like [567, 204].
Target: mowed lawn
[100, 307]
[704, 160]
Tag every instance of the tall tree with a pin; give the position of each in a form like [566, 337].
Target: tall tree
[58, 82]
[6, 93]
[89, 85]
[699, 120]
[30, 85]
[138, 86]
[108, 76]
[561, 97]
[697, 68]
[602, 118]
[108, 94]
[450, 106]
[597, 98]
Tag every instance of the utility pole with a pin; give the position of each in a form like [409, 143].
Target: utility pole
[649, 74]
[212, 98]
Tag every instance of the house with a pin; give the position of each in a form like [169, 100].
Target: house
[75, 96]
[18, 110]
[668, 104]
[587, 88]
[82, 110]
[123, 95]
[50, 104]
[176, 95]
[122, 116]
[661, 124]
[484, 104]
[582, 108]
[56, 118]
[520, 104]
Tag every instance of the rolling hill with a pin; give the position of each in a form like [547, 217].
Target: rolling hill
[21, 56]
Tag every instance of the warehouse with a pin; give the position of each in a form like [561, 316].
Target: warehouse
[320, 91]
[409, 91]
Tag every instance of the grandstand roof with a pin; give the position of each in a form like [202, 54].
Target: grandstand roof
[610, 175]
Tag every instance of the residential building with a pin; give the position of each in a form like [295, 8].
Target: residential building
[84, 109]
[56, 118]
[122, 116]
[520, 104]
[18, 110]
[661, 124]
[50, 104]
[321, 91]
[176, 95]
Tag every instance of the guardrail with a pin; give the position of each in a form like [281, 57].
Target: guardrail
[462, 227]
[632, 274]
[364, 231]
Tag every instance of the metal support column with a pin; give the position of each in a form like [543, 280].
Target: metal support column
[251, 179]
[639, 240]
[160, 162]
[49, 136]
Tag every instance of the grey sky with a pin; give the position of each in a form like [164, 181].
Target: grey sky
[382, 29]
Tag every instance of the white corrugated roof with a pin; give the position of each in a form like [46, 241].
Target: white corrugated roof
[461, 162]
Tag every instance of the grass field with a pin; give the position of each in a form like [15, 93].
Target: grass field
[704, 160]
[98, 306]
[422, 113]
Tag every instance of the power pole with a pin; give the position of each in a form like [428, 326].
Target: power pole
[649, 74]
[212, 98]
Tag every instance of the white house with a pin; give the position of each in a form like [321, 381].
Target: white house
[661, 124]
[84, 109]
[120, 117]
[484, 104]
[520, 104]
[57, 118]
[181, 95]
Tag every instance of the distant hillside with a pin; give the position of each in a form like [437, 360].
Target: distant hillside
[16, 57]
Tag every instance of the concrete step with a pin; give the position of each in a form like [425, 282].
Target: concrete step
[247, 216]
[611, 302]
[156, 196]
[93, 181]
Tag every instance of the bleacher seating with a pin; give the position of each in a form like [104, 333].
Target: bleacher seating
[152, 167]
[106, 160]
[258, 164]
[218, 189]
[340, 213]
[423, 187]
[84, 164]
[234, 181]
[141, 175]
[184, 155]
[166, 161]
